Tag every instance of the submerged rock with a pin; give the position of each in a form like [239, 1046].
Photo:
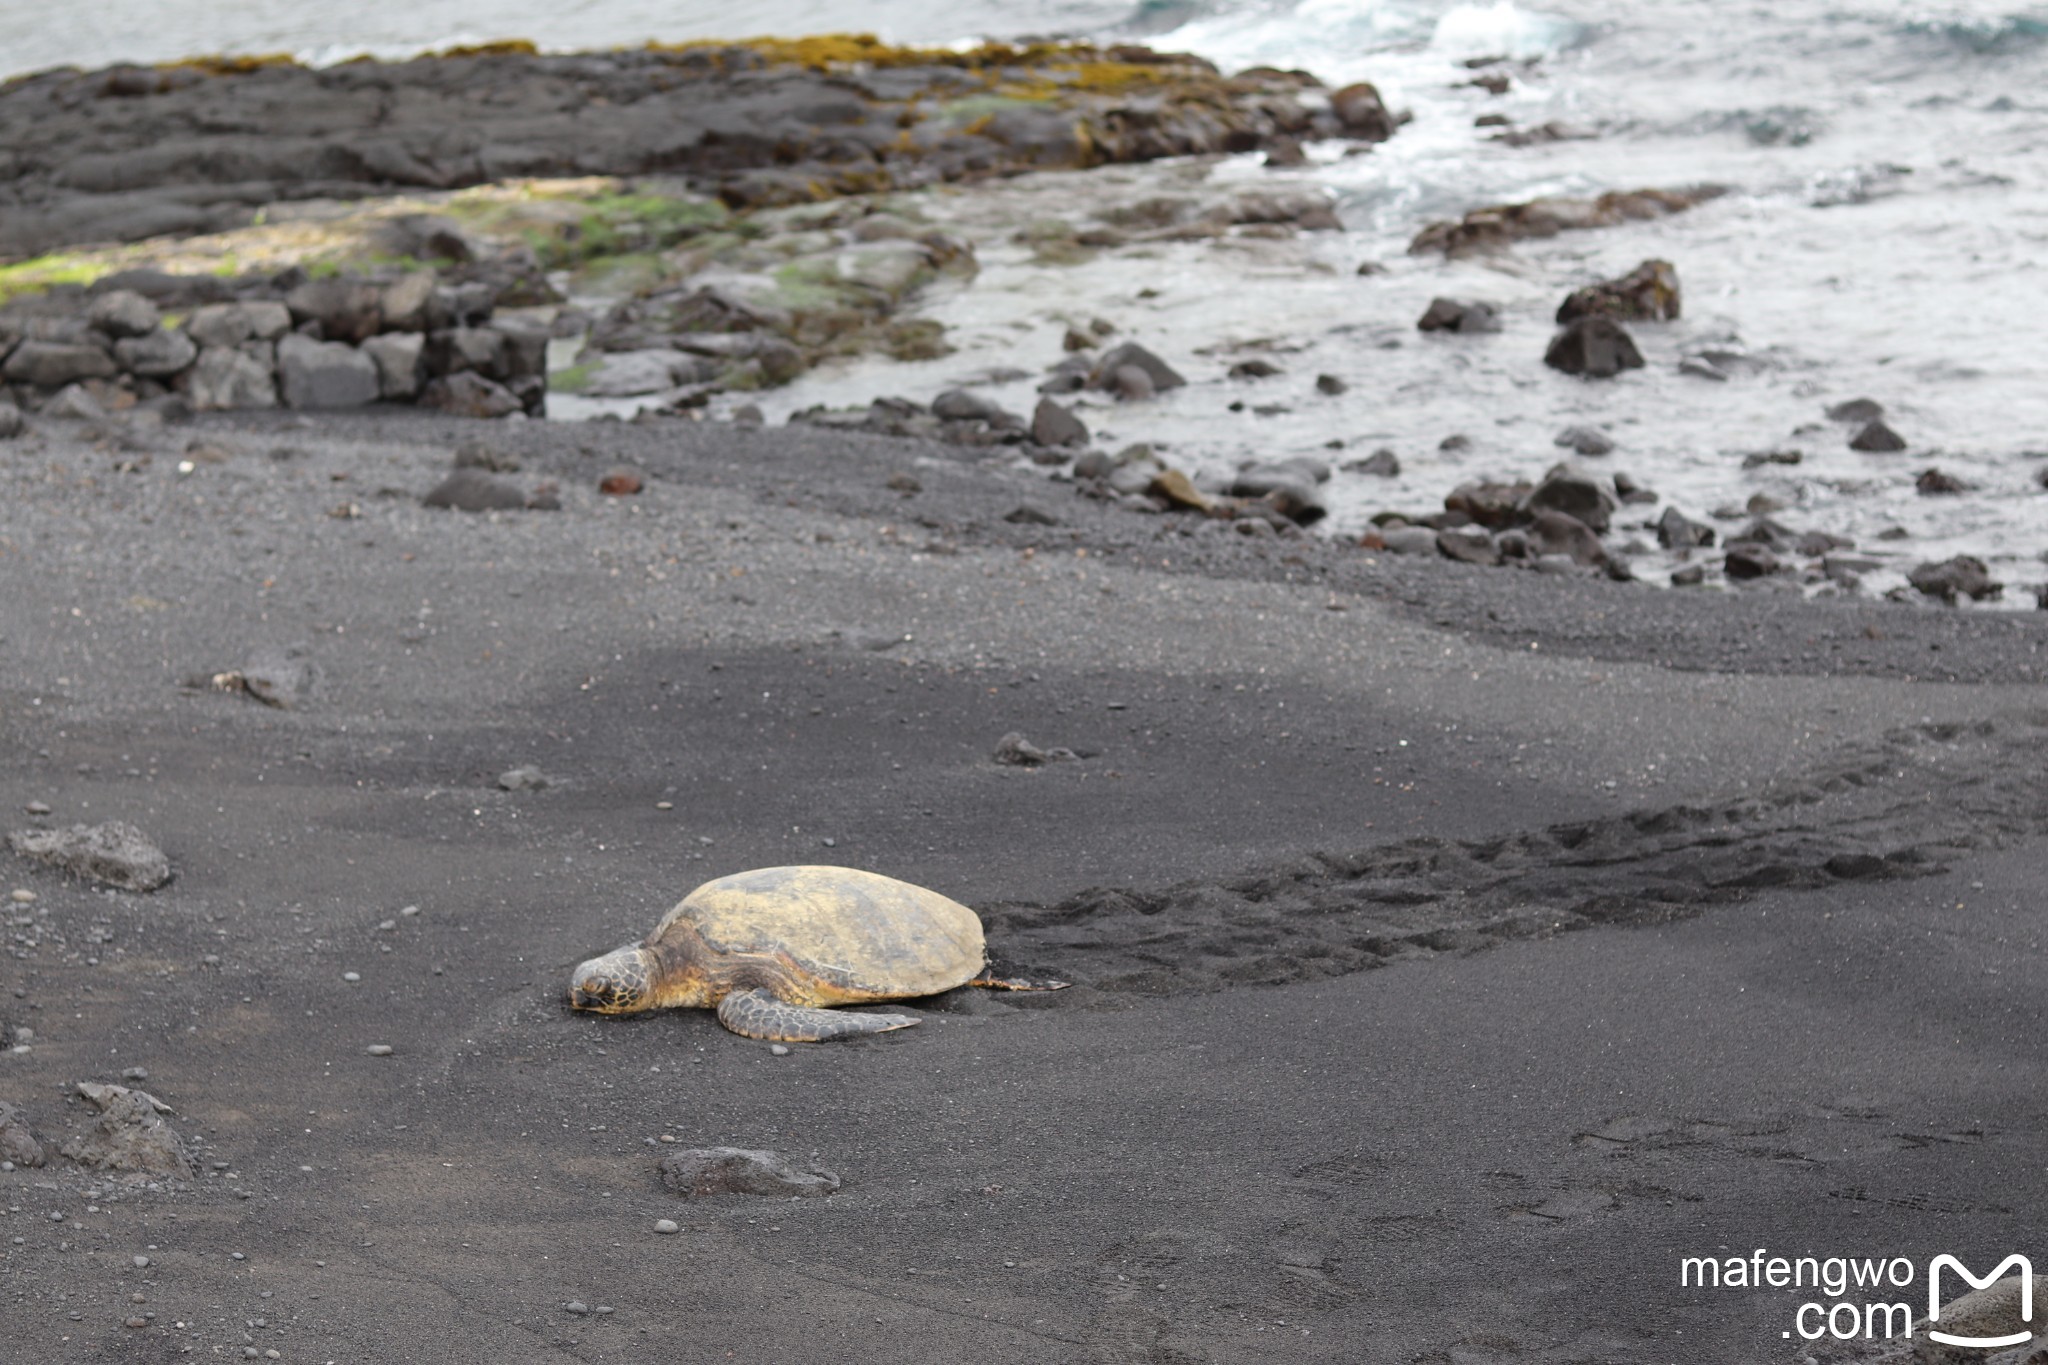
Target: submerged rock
[1594, 348]
[1459, 315]
[1875, 438]
[1649, 293]
[1500, 226]
[1130, 355]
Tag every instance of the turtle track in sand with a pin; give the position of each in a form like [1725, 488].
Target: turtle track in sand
[1899, 807]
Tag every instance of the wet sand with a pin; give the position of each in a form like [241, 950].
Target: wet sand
[1454, 950]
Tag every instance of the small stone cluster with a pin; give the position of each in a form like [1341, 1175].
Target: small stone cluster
[205, 344]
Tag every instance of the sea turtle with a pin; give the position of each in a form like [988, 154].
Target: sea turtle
[773, 948]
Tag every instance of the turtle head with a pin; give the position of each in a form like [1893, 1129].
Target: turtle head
[620, 982]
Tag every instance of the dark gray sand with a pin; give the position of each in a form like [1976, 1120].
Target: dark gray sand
[1804, 843]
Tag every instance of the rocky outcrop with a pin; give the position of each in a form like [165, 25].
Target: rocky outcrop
[1502, 225]
[120, 155]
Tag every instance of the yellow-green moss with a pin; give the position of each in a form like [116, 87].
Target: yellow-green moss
[571, 380]
[39, 274]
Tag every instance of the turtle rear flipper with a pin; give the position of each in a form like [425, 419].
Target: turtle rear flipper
[994, 978]
[757, 1014]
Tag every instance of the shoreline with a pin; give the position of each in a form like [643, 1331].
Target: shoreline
[1315, 877]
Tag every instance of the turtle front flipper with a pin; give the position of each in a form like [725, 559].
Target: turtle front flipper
[757, 1014]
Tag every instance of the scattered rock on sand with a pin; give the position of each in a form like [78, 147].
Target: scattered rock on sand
[1459, 315]
[1015, 751]
[18, 1142]
[1594, 347]
[116, 853]
[1962, 576]
[620, 481]
[129, 1134]
[1649, 293]
[10, 421]
[1468, 545]
[468, 394]
[275, 675]
[1256, 368]
[1937, 482]
[1054, 425]
[526, 778]
[1330, 384]
[472, 490]
[1875, 438]
[702, 1172]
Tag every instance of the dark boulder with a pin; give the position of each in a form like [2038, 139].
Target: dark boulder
[1857, 410]
[1497, 505]
[1053, 425]
[1362, 113]
[1459, 315]
[1575, 493]
[1875, 438]
[1749, 559]
[1649, 293]
[1962, 576]
[1594, 347]
[1468, 544]
[1160, 375]
[1558, 533]
[1676, 531]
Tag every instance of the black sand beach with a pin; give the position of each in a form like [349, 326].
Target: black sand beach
[1454, 951]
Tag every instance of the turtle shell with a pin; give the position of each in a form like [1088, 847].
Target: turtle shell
[845, 934]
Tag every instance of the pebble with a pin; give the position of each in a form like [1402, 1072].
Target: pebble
[23, 896]
[37, 808]
[135, 1073]
[664, 805]
[408, 912]
[236, 1256]
[778, 1050]
[379, 1049]
[576, 1306]
[666, 1227]
[137, 1322]
[351, 977]
[141, 1262]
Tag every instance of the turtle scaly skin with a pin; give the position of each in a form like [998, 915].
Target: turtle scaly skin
[773, 949]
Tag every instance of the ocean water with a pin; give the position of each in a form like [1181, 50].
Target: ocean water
[1885, 235]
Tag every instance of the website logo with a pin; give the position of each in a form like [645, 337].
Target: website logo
[2026, 1270]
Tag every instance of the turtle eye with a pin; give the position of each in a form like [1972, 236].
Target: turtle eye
[594, 986]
